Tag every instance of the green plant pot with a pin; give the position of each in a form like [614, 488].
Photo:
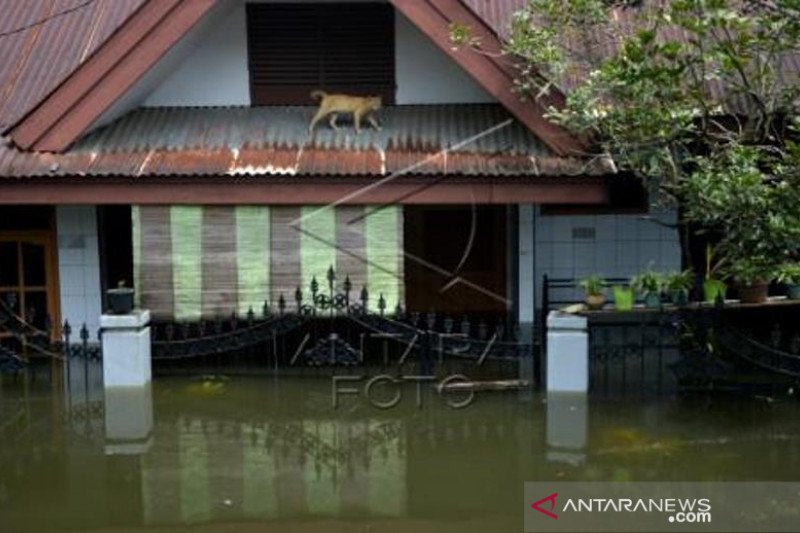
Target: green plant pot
[793, 292]
[623, 298]
[652, 300]
[679, 297]
[712, 289]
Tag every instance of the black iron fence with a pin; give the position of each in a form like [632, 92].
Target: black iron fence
[333, 327]
[697, 347]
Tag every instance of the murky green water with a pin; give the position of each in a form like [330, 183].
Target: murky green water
[259, 454]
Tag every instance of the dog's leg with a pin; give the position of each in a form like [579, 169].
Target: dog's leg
[357, 120]
[319, 116]
[334, 118]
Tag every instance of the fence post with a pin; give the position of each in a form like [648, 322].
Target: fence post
[567, 353]
[126, 349]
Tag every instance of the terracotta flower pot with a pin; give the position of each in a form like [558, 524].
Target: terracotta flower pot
[755, 293]
[595, 302]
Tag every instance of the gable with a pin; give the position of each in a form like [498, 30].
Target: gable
[424, 74]
[132, 52]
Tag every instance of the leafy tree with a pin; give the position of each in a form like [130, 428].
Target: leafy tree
[694, 96]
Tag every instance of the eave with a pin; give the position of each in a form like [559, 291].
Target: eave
[287, 191]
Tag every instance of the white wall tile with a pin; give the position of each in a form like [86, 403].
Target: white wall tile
[624, 245]
[563, 256]
[562, 229]
[585, 255]
[649, 253]
[79, 266]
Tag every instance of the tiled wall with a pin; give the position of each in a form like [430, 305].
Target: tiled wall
[79, 266]
[608, 245]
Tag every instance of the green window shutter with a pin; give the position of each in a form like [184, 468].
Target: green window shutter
[252, 257]
[317, 246]
[186, 230]
[384, 236]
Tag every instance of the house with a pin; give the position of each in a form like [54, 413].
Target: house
[165, 143]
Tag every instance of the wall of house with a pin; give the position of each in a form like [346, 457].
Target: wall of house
[79, 266]
[608, 245]
[213, 71]
[426, 75]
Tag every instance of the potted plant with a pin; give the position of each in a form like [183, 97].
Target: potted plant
[623, 297]
[713, 288]
[120, 300]
[649, 285]
[751, 276]
[789, 275]
[594, 288]
[678, 285]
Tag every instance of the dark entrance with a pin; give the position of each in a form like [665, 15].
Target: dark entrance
[456, 259]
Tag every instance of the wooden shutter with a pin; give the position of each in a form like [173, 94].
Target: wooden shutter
[296, 48]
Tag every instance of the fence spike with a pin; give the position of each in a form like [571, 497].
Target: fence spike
[331, 276]
[465, 326]
[431, 320]
[347, 286]
[448, 325]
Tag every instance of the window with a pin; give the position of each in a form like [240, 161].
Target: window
[296, 48]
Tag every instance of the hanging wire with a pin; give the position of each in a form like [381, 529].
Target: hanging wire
[46, 19]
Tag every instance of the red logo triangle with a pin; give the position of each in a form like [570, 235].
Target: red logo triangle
[552, 500]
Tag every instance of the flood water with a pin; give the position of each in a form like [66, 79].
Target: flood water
[228, 453]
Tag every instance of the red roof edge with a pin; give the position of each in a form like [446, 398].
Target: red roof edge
[66, 113]
[489, 68]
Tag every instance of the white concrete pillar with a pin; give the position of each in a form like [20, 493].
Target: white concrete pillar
[526, 251]
[126, 349]
[567, 353]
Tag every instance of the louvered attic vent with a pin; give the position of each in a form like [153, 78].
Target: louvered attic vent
[296, 48]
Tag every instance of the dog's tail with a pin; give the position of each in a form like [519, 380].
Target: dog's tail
[318, 95]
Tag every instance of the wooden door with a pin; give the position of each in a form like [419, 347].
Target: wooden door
[28, 277]
[456, 259]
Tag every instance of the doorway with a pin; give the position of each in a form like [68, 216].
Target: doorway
[456, 259]
[29, 267]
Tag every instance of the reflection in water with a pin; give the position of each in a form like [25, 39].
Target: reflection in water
[128, 420]
[567, 423]
[275, 452]
[200, 470]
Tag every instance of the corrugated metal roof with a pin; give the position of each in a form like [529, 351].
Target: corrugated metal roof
[496, 13]
[38, 59]
[271, 141]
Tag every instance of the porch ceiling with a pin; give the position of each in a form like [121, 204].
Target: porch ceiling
[442, 140]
